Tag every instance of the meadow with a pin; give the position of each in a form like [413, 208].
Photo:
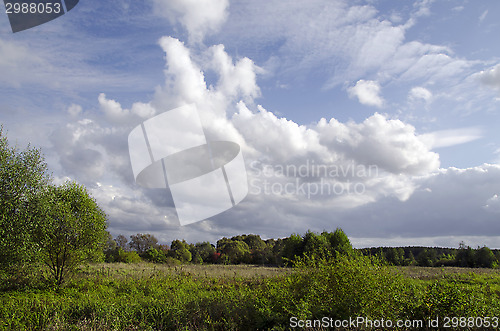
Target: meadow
[147, 296]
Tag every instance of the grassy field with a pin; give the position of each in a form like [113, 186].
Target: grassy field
[148, 296]
[143, 269]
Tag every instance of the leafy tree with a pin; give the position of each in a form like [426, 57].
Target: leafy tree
[395, 255]
[127, 256]
[221, 242]
[340, 243]
[411, 259]
[142, 242]
[204, 250]
[465, 256]
[236, 251]
[484, 258]
[155, 255]
[121, 241]
[426, 258]
[254, 242]
[23, 174]
[315, 245]
[180, 250]
[110, 249]
[293, 247]
[70, 228]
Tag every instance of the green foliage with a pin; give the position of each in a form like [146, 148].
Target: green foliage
[70, 228]
[186, 299]
[179, 250]
[155, 255]
[484, 258]
[235, 251]
[339, 242]
[203, 251]
[127, 256]
[23, 174]
[426, 258]
[315, 244]
[293, 247]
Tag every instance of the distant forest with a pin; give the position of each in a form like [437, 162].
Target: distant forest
[251, 249]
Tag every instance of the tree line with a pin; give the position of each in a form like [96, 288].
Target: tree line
[246, 248]
[252, 249]
[464, 256]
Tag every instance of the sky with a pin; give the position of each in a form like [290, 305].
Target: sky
[380, 117]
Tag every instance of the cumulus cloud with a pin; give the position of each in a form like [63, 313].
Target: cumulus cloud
[199, 17]
[367, 92]
[114, 112]
[379, 155]
[390, 144]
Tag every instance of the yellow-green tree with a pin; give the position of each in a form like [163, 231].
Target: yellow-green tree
[23, 174]
[70, 228]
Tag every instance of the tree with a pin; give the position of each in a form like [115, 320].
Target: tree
[465, 256]
[426, 258]
[142, 242]
[484, 258]
[315, 245]
[204, 250]
[293, 247]
[254, 242]
[180, 250]
[395, 255]
[121, 241]
[236, 251]
[69, 227]
[23, 174]
[340, 243]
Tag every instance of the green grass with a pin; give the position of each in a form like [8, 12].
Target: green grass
[146, 296]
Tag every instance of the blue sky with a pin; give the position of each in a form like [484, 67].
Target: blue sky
[411, 87]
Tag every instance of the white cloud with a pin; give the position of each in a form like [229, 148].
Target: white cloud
[420, 93]
[447, 138]
[491, 77]
[114, 112]
[199, 17]
[345, 42]
[390, 144]
[367, 92]
[90, 151]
